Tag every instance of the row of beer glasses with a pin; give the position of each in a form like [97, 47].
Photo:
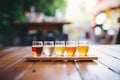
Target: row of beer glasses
[58, 48]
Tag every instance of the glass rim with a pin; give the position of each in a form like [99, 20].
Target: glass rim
[82, 41]
[48, 41]
[71, 41]
[37, 41]
[59, 41]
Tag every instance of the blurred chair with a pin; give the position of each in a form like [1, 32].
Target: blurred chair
[49, 36]
[33, 37]
[118, 38]
[62, 37]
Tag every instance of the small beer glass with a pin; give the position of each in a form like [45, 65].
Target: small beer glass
[83, 48]
[59, 48]
[70, 48]
[37, 48]
[48, 48]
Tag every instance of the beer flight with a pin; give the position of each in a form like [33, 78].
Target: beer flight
[58, 48]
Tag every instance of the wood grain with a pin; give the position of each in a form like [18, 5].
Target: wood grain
[95, 71]
[106, 59]
[62, 58]
[52, 71]
[14, 66]
[7, 51]
[17, 71]
[14, 57]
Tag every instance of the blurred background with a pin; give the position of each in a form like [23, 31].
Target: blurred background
[22, 21]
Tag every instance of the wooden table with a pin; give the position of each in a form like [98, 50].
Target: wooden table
[42, 26]
[13, 65]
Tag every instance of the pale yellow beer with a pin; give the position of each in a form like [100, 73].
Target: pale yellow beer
[48, 48]
[83, 50]
[70, 50]
[59, 50]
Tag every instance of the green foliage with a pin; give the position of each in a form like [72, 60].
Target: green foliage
[48, 7]
[13, 10]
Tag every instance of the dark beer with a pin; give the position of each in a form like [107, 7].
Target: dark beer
[37, 50]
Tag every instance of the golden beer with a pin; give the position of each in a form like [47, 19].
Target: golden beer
[83, 50]
[70, 50]
[59, 50]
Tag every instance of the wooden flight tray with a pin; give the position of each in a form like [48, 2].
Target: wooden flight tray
[83, 58]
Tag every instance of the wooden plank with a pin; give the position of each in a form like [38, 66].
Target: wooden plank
[52, 71]
[7, 51]
[109, 61]
[11, 59]
[110, 50]
[62, 58]
[95, 71]
[17, 71]
[113, 47]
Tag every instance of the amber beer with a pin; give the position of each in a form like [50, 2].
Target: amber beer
[37, 48]
[70, 48]
[59, 48]
[83, 47]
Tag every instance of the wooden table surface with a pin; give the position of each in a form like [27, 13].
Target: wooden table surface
[13, 65]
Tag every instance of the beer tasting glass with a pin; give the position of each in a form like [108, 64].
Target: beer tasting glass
[59, 48]
[70, 47]
[48, 48]
[83, 48]
[37, 48]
